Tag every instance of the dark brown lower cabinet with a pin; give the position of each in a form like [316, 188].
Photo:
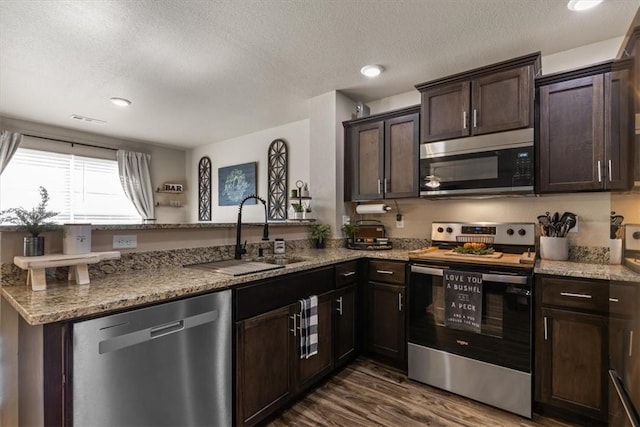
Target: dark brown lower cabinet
[572, 348]
[269, 371]
[387, 321]
[345, 324]
[572, 362]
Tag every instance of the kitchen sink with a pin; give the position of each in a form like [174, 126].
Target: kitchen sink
[281, 260]
[237, 267]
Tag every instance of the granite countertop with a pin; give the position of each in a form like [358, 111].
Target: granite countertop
[64, 301]
[587, 271]
[118, 291]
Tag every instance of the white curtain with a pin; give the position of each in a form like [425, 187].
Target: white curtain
[9, 142]
[136, 181]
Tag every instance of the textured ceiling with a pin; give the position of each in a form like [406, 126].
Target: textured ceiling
[204, 71]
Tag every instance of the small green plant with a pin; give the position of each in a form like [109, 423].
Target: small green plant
[320, 232]
[350, 230]
[34, 220]
[297, 207]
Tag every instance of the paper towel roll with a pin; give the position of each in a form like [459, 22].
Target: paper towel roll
[372, 209]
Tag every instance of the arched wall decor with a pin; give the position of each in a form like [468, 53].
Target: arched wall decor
[204, 189]
[278, 179]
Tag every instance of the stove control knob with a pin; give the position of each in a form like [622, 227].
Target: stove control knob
[636, 235]
[440, 229]
[510, 231]
[449, 230]
[522, 232]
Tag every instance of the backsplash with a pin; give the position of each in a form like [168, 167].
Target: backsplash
[11, 275]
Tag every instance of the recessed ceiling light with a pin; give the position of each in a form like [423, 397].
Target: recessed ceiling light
[580, 5]
[120, 102]
[371, 70]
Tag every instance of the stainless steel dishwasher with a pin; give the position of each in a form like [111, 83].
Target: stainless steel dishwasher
[166, 365]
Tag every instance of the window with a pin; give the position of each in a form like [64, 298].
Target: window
[82, 189]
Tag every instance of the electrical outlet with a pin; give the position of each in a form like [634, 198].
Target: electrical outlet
[125, 242]
[400, 224]
[575, 228]
[346, 219]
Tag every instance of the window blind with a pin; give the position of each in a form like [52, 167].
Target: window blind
[82, 189]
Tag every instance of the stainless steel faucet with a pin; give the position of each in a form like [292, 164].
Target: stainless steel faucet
[240, 249]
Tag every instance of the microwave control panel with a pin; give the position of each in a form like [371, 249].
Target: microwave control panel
[523, 171]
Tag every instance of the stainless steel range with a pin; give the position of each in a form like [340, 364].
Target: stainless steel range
[470, 312]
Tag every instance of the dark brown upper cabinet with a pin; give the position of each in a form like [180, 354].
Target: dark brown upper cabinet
[382, 155]
[584, 130]
[490, 99]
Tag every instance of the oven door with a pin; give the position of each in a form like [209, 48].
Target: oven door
[485, 172]
[505, 337]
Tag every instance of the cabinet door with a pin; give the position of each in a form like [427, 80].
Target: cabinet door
[502, 101]
[445, 112]
[345, 324]
[263, 365]
[617, 130]
[621, 355]
[571, 362]
[367, 152]
[571, 140]
[387, 320]
[401, 156]
[307, 371]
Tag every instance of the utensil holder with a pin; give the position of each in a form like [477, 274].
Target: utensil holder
[615, 251]
[554, 248]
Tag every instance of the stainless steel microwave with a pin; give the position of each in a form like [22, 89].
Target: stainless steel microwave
[486, 164]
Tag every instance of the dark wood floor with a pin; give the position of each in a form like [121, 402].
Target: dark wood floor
[367, 393]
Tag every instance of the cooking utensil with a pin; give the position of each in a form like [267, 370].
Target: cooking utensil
[616, 225]
[543, 220]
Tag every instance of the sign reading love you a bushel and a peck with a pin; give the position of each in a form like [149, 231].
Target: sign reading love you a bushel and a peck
[463, 300]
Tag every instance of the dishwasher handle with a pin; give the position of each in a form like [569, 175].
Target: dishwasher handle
[166, 329]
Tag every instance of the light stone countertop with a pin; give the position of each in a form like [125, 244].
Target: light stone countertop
[119, 291]
[64, 301]
[587, 271]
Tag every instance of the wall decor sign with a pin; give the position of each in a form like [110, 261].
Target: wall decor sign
[204, 189]
[235, 183]
[176, 188]
[278, 180]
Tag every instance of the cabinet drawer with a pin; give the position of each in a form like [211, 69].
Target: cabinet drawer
[387, 272]
[346, 273]
[576, 293]
[623, 299]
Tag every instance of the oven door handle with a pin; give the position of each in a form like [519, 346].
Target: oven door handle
[500, 278]
[432, 271]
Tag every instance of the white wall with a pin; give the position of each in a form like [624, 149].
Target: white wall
[245, 149]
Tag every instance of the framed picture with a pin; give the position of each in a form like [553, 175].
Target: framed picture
[235, 183]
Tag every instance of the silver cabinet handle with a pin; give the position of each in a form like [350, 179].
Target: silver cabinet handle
[614, 300]
[630, 343]
[339, 309]
[349, 273]
[599, 172]
[464, 120]
[546, 335]
[379, 186]
[295, 324]
[572, 295]
[384, 271]
[475, 118]
[399, 302]
[386, 187]
[462, 342]
[610, 168]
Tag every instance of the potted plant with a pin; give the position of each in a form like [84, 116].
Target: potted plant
[320, 233]
[350, 230]
[297, 210]
[34, 221]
